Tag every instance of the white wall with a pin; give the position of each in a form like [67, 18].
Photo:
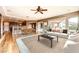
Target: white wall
[6, 26]
[2, 11]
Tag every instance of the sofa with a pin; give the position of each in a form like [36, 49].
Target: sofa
[72, 44]
[61, 35]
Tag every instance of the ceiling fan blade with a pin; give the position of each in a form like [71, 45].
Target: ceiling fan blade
[36, 12]
[44, 10]
[33, 10]
[41, 12]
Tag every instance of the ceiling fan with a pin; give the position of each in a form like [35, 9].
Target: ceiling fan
[39, 9]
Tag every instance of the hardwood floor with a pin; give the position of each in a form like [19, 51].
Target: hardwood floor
[8, 44]
[31, 44]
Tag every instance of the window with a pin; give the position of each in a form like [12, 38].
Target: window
[73, 23]
[62, 24]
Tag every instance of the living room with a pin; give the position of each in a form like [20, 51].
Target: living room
[58, 30]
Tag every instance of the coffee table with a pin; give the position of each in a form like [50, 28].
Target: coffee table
[47, 37]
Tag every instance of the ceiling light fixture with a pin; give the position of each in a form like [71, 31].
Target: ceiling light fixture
[39, 9]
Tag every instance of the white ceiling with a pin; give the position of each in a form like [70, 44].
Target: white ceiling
[25, 12]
